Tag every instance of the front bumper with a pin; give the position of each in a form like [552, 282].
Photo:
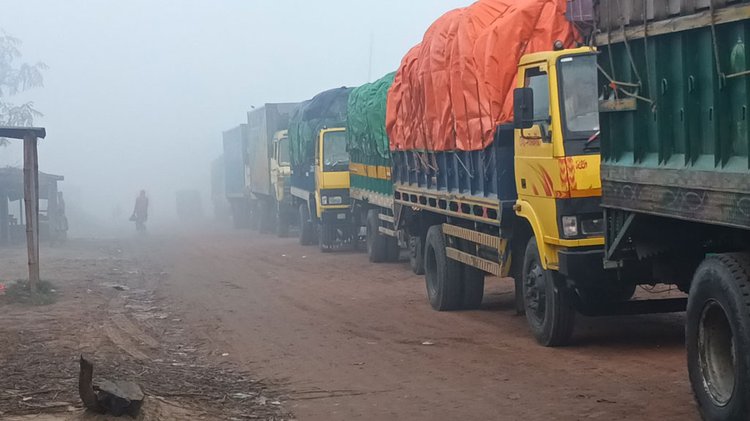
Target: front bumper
[336, 216]
[584, 267]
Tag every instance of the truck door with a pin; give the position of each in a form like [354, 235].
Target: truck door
[537, 168]
[535, 165]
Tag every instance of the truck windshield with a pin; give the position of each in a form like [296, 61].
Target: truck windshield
[335, 155]
[284, 151]
[580, 99]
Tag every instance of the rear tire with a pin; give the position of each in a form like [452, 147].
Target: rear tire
[306, 228]
[416, 254]
[548, 301]
[376, 243]
[717, 336]
[442, 275]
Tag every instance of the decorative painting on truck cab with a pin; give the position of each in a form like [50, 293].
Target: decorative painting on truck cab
[544, 179]
[578, 177]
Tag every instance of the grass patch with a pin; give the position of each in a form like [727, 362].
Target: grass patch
[18, 292]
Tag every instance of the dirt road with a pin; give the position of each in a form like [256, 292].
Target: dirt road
[354, 340]
[219, 325]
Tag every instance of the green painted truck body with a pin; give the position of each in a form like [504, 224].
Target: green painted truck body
[674, 134]
[367, 138]
[372, 184]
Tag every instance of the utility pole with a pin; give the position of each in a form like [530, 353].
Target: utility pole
[31, 203]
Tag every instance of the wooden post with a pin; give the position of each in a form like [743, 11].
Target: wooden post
[31, 202]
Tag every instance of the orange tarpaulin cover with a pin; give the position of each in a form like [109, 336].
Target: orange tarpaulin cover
[453, 89]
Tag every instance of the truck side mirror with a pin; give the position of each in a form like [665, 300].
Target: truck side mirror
[523, 108]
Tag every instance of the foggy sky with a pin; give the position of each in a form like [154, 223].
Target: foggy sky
[138, 92]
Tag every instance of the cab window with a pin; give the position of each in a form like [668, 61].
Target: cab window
[538, 81]
[335, 155]
[283, 151]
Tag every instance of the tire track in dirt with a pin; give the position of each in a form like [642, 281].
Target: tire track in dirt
[123, 342]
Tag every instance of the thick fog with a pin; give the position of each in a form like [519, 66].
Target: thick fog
[137, 93]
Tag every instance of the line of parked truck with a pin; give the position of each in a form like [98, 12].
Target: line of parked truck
[580, 148]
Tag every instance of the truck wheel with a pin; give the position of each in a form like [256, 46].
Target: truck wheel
[548, 302]
[473, 288]
[376, 243]
[442, 275]
[416, 255]
[717, 336]
[306, 227]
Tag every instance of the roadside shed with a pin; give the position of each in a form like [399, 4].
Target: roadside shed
[30, 136]
[12, 220]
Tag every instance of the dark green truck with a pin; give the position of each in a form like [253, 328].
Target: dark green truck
[674, 81]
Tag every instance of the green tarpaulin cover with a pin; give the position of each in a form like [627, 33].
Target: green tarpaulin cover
[365, 127]
[327, 109]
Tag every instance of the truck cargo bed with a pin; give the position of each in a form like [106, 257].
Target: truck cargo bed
[477, 184]
[675, 138]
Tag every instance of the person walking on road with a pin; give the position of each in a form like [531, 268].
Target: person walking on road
[60, 221]
[140, 212]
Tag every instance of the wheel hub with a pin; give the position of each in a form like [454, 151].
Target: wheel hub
[716, 353]
[536, 287]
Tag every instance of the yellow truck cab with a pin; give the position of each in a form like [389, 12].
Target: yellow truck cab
[556, 164]
[332, 202]
[557, 160]
[331, 172]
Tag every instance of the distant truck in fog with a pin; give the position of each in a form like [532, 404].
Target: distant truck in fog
[256, 170]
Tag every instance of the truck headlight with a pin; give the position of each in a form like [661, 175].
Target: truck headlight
[592, 226]
[570, 226]
[335, 200]
[323, 200]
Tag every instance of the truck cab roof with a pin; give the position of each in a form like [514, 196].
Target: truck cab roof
[544, 56]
